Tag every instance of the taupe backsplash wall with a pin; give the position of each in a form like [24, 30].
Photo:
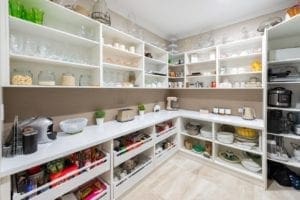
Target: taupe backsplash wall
[233, 99]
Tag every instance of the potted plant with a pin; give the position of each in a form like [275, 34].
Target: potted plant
[141, 108]
[99, 115]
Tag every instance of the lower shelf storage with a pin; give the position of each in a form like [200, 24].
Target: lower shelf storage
[132, 178]
[165, 155]
[66, 183]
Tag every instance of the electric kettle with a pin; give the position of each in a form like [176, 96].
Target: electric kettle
[248, 113]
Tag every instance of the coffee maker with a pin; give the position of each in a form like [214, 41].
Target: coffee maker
[172, 103]
[44, 126]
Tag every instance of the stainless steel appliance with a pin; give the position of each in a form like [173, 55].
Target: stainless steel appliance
[125, 115]
[44, 126]
[279, 97]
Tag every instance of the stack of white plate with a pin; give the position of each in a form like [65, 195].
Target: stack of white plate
[206, 132]
[225, 137]
[251, 165]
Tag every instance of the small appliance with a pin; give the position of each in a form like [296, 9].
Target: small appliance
[248, 113]
[172, 103]
[284, 74]
[279, 97]
[125, 115]
[44, 127]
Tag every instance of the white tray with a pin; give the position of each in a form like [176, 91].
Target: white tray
[74, 182]
[118, 159]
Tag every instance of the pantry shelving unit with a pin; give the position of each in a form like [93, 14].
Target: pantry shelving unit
[282, 36]
[156, 68]
[176, 70]
[217, 145]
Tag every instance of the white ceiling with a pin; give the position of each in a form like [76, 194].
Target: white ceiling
[183, 18]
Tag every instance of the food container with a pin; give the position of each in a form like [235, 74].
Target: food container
[46, 78]
[30, 140]
[73, 126]
[188, 144]
[192, 128]
[21, 77]
[84, 80]
[68, 79]
[247, 133]
[225, 137]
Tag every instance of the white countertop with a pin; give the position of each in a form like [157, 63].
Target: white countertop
[93, 135]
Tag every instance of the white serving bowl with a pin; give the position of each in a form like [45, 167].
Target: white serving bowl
[73, 126]
[225, 137]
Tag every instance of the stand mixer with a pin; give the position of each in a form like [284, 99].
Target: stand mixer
[172, 103]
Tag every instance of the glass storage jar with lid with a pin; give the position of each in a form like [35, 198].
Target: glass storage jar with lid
[46, 78]
[85, 80]
[21, 77]
[68, 79]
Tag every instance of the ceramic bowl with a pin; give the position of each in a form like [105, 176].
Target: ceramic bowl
[225, 137]
[251, 165]
[73, 126]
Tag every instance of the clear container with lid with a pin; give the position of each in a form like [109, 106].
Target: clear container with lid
[46, 78]
[85, 80]
[68, 79]
[21, 77]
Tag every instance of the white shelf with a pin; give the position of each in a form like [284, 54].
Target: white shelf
[49, 33]
[199, 155]
[54, 86]
[119, 52]
[285, 29]
[286, 135]
[181, 77]
[280, 83]
[290, 163]
[240, 74]
[82, 175]
[137, 148]
[200, 76]
[165, 155]
[248, 56]
[198, 137]
[59, 63]
[176, 65]
[165, 134]
[239, 147]
[238, 167]
[120, 67]
[154, 61]
[155, 75]
[242, 42]
[201, 62]
[287, 61]
[285, 109]
[131, 179]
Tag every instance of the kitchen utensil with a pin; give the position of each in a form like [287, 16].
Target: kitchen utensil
[279, 97]
[73, 126]
[171, 103]
[46, 78]
[251, 165]
[225, 137]
[44, 126]
[248, 113]
[192, 128]
[229, 156]
[125, 115]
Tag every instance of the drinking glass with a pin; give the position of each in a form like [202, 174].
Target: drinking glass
[16, 44]
[30, 47]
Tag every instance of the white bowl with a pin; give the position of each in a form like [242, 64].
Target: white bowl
[73, 126]
[251, 165]
[225, 137]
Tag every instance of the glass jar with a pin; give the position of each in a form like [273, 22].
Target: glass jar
[21, 77]
[85, 80]
[46, 78]
[68, 79]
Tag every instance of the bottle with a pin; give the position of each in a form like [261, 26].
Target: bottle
[100, 12]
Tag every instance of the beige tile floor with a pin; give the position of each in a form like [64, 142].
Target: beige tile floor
[183, 179]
